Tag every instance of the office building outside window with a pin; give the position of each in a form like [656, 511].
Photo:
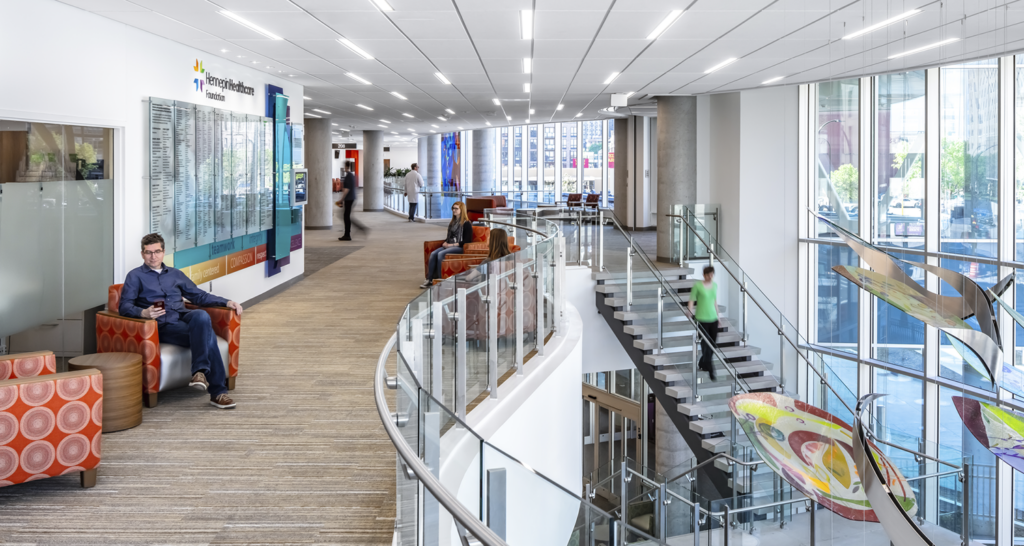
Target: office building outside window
[549, 159]
[836, 153]
[569, 181]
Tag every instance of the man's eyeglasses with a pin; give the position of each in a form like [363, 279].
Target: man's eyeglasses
[152, 252]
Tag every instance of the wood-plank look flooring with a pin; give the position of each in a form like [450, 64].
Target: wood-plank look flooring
[303, 459]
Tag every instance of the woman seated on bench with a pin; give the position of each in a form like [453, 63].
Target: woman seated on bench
[460, 232]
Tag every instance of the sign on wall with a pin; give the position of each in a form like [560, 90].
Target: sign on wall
[210, 174]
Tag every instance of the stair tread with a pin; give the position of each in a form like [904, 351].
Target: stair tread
[711, 426]
[648, 286]
[635, 313]
[608, 274]
[674, 327]
[675, 374]
[649, 344]
[715, 445]
[678, 357]
[703, 408]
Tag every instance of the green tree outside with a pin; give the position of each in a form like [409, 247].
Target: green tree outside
[846, 181]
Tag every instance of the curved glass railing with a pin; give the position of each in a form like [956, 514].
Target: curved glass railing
[455, 346]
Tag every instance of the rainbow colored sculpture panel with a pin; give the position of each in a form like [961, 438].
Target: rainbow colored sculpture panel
[813, 451]
[1000, 431]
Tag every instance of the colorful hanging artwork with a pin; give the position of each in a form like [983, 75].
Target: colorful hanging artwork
[1000, 431]
[451, 148]
[813, 450]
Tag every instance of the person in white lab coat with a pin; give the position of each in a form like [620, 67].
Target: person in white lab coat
[413, 183]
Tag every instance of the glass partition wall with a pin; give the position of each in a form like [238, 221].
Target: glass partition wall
[56, 235]
[926, 154]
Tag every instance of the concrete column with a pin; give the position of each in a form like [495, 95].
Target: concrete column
[677, 163]
[622, 162]
[319, 157]
[373, 171]
[671, 450]
[433, 175]
[483, 175]
[421, 156]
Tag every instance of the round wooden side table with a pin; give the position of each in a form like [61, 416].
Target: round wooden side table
[122, 387]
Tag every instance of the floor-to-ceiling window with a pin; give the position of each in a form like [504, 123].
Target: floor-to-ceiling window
[549, 162]
[531, 168]
[592, 152]
[836, 151]
[517, 159]
[935, 195]
[969, 158]
[503, 154]
[610, 146]
[569, 184]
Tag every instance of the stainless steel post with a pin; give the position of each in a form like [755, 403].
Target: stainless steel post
[661, 321]
[623, 480]
[579, 239]
[519, 317]
[492, 332]
[682, 235]
[663, 501]
[743, 295]
[539, 264]
[725, 525]
[600, 240]
[812, 537]
[967, 505]
[696, 524]
[693, 352]
[629, 275]
[436, 337]
[460, 354]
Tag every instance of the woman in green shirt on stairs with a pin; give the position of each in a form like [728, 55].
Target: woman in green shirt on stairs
[704, 295]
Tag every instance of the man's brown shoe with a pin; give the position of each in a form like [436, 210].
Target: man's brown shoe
[223, 402]
[199, 382]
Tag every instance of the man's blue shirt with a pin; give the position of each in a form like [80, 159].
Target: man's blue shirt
[143, 287]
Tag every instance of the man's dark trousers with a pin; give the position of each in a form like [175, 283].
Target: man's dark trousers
[412, 211]
[349, 205]
[195, 331]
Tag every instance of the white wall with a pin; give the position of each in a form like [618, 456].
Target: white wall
[602, 351]
[66, 65]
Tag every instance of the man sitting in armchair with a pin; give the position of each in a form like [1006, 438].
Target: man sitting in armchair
[155, 291]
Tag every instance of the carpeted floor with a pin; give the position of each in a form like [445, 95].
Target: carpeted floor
[302, 460]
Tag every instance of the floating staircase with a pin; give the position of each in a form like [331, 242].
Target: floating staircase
[704, 419]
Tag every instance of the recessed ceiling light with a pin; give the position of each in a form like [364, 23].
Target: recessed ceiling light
[559, 107]
[925, 48]
[441, 118]
[355, 49]
[384, 126]
[334, 124]
[291, 75]
[394, 132]
[630, 94]
[305, 97]
[270, 68]
[883, 24]
[720, 65]
[249, 25]
[450, 111]
[399, 95]
[526, 88]
[460, 128]
[526, 24]
[241, 56]
[527, 121]
[321, 111]
[308, 115]
[579, 115]
[663, 26]
[383, 5]
[411, 129]
[527, 65]
[496, 102]
[611, 78]
[384, 121]
[357, 78]
[408, 115]
[433, 131]
[772, 80]
[223, 51]
[488, 123]
[363, 106]
[508, 118]
[255, 62]
[441, 77]
[435, 126]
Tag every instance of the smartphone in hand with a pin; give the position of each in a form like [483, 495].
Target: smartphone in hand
[158, 304]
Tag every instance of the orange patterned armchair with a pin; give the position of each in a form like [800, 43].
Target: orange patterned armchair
[472, 256]
[50, 423]
[166, 366]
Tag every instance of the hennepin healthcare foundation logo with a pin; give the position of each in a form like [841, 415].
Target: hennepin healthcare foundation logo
[208, 80]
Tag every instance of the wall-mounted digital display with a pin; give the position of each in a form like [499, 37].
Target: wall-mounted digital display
[299, 187]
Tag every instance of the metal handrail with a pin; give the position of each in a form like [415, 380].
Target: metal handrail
[712, 459]
[451, 503]
[796, 348]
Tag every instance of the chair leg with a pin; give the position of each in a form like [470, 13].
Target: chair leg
[149, 399]
[88, 478]
[231, 383]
